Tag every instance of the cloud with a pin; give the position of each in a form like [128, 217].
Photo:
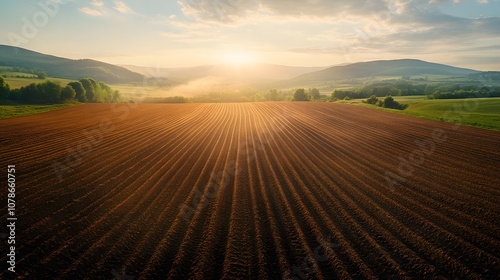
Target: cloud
[189, 32]
[230, 11]
[122, 7]
[324, 8]
[91, 12]
[97, 3]
[365, 27]
[222, 11]
[98, 8]
[462, 35]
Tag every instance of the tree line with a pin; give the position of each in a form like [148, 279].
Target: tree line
[404, 88]
[463, 92]
[301, 94]
[49, 92]
[247, 95]
[40, 74]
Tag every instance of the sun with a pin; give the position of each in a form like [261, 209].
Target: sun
[238, 58]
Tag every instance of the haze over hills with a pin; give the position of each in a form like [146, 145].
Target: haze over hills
[66, 68]
[248, 73]
[265, 76]
[255, 75]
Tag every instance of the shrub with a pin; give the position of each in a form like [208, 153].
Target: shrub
[388, 102]
[372, 100]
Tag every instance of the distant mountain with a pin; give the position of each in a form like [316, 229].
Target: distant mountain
[245, 73]
[380, 68]
[59, 67]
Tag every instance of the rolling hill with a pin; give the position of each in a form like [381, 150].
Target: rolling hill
[380, 68]
[59, 67]
[259, 75]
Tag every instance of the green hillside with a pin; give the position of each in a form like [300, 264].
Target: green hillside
[401, 67]
[59, 67]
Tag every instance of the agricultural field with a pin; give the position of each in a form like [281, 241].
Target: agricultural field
[251, 191]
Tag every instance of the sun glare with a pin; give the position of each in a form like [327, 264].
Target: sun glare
[237, 58]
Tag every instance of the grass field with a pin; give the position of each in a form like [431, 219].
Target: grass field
[478, 112]
[281, 190]
[11, 111]
[138, 91]
[21, 82]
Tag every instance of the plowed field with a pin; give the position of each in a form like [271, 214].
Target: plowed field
[250, 191]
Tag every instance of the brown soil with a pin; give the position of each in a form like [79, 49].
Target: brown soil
[251, 191]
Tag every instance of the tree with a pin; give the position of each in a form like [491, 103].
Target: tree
[394, 91]
[49, 92]
[67, 93]
[105, 92]
[90, 87]
[116, 96]
[79, 91]
[4, 89]
[41, 75]
[257, 97]
[300, 95]
[274, 95]
[339, 94]
[428, 90]
[29, 94]
[43, 93]
[15, 94]
[314, 93]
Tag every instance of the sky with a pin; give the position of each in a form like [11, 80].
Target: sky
[183, 33]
